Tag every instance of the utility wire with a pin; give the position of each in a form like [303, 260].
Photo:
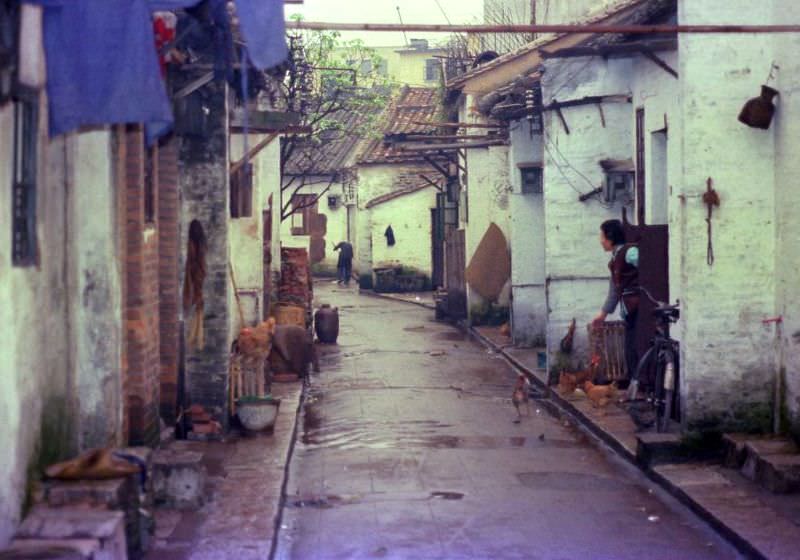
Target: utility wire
[400, 16]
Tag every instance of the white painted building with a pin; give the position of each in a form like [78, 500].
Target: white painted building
[674, 116]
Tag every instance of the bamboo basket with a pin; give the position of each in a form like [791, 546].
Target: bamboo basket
[607, 349]
[288, 314]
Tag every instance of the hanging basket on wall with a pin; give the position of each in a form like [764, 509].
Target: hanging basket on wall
[758, 111]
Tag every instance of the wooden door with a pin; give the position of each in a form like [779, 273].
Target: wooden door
[266, 217]
[455, 264]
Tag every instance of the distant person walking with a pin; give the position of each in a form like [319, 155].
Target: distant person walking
[345, 265]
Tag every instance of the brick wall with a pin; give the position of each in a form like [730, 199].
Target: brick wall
[168, 240]
[141, 302]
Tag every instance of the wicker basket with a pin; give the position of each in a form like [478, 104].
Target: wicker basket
[288, 314]
[607, 348]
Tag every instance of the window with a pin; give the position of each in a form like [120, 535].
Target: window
[150, 174]
[242, 192]
[531, 179]
[640, 161]
[303, 207]
[23, 207]
[432, 69]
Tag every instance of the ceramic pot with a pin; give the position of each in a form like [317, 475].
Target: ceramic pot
[257, 415]
[758, 111]
[326, 324]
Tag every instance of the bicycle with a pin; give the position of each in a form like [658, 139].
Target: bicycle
[663, 355]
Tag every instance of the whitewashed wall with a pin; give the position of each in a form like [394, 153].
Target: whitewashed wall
[786, 125]
[60, 321]
[410, 219]
[729, 355]
[528, 273]
[247, 233]
[567, 11]
[577, 267]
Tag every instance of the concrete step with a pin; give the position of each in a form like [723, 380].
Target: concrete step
[653, 448]
[105, 527]
[47, 549]
[772, 462]
[179, 478]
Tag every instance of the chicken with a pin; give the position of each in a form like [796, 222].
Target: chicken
[568, 382]
[520, 396]
[600, 395]
[567, 341]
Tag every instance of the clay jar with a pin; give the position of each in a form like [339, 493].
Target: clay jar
[326, 324]
[758, 111]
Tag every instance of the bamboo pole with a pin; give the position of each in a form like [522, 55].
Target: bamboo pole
[459, 124]
[561, 29]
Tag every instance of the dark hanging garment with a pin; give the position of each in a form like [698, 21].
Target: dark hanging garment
[389, 236]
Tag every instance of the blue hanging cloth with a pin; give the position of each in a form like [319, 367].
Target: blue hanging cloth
[264, 30]
[102, 65]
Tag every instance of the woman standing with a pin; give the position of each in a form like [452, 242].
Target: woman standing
[623, 287]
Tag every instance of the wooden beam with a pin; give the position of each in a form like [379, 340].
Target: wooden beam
[561, 29]
[459, 125]
[562, 119]
[433, 163]
[253, 152]
[590, 100]
[431, 147]
[632, 48]
[398, 138]
[431, 183]
[660, 62]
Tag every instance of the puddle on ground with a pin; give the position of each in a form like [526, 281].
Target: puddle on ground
[447, 495]
[578, 482]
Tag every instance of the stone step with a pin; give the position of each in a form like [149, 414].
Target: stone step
[653, 448]
[179, 478]
[67, 524]
[46, 549]
[772, 462]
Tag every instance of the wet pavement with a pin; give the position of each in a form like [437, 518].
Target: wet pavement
[407, 449]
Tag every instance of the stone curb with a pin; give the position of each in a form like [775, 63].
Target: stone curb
[287, 460]
[735, 538]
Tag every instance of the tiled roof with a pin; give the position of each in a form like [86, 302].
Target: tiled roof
[413, 105]
[595, 17]
[334, 150]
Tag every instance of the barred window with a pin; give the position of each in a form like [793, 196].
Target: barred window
[23, 220]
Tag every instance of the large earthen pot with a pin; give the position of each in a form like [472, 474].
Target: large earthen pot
[326, 324]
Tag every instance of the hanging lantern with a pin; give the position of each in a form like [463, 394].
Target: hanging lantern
[758, 111]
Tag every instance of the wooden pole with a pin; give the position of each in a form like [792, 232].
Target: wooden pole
[572, 28]
[253, 152]
[465, 145]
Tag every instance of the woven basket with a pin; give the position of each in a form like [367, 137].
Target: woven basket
[607, 349]
[288, 314]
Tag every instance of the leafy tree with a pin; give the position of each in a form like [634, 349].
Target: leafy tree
[329, 79]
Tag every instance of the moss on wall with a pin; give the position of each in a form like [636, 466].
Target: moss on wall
[487, 313]
[748, 418]
[56, 442]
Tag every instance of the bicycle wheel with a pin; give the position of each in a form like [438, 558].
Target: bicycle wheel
[643, 365]
[665, 387]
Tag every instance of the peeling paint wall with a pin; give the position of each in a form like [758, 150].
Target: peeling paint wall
[787, 193]
[335, 224]
[577, 267]
[247, 233]
[60, 321]
[528, 271]
[729, 355]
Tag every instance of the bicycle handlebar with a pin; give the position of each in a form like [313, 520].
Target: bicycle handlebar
[654, 300]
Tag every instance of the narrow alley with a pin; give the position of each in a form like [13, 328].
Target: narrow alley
[407, 449]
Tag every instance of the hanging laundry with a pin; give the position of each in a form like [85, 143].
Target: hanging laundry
[102, 64]
[264, 30]
[389, 236]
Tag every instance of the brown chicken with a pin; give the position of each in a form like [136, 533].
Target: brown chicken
[600, 395]
[568, 382]
[520, 396]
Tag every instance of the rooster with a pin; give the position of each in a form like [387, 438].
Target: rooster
[567, 341]
[520, 397]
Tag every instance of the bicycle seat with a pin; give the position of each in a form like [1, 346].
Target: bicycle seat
[667, 312]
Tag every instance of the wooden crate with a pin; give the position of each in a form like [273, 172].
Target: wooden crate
[607, 350]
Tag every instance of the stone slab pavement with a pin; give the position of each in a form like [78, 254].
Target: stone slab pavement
[407, 448]
[241, 513]
[760, 524]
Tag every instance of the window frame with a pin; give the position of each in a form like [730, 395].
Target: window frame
[303, 206]
[524, 184]
[241, 192]
[24, 179]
